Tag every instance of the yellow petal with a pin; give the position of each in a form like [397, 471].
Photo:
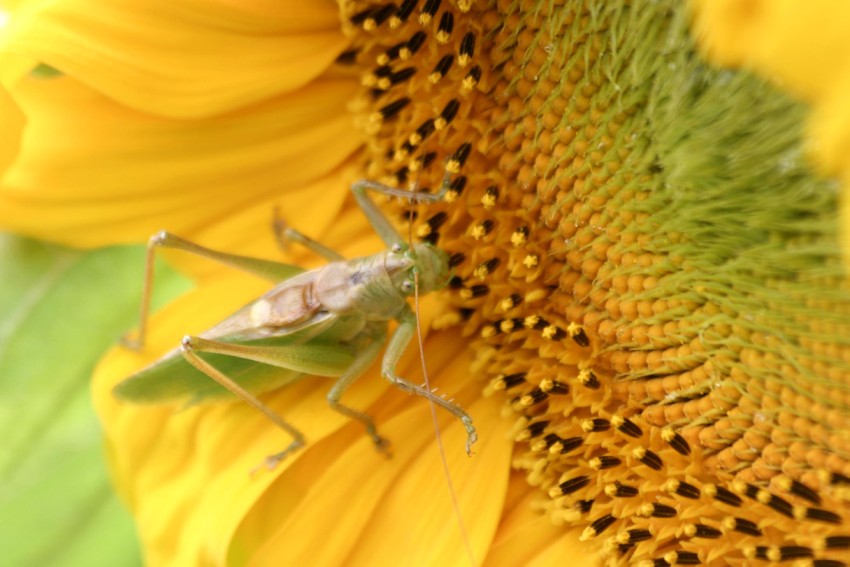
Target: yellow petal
[93, 172]
[396, 511]
[178, 59]
[527, 537]
[13, 123]
[803, 47]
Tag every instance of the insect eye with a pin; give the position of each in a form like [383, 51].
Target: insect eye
[407, 286]
[397, 248]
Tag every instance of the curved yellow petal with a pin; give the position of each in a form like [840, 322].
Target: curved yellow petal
[419, 499]
[581, 554]
[13, 123]
[92, 172]
[528, 537]
[802, 46]
[178, 59]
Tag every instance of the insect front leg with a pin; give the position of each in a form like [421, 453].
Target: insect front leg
[378, 220]
[395, 349]
[190, 347]
[274, 271]
[357, 368]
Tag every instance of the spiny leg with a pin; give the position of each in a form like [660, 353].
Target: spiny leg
[359, 188]
[190, 353]
[357, 368]
[395, 349]
[283, 233]
[319, 359]
[378, 220]
[274, 271]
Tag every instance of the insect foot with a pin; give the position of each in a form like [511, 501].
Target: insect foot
[471, 433]
[450, 406]
[190, 346]
[272, 461]
[131, 343]
[280, 229]
[382, 445]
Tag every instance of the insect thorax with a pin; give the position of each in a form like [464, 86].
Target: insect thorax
[361, 286]
[432, 264]
[377, 287]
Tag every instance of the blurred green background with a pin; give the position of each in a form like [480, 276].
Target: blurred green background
[60, 310]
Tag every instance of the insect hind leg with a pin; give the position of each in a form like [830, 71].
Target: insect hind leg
[189, 348]
[273, 271]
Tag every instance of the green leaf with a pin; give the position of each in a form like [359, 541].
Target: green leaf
[60, 310]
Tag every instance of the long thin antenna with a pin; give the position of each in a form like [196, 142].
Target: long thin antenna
[437, 435]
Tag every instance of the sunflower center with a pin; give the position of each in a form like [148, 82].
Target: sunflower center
[650, 268]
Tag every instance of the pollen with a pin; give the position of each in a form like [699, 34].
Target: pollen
[470, 81]
[467, 49]
[431, 7]
[534, 322]
[442, 68]
[481, 229]
[491, 195]
[531, 261]
[553, 333]
[444, 31]
[645, 258]
[519, 237]
[486, 268]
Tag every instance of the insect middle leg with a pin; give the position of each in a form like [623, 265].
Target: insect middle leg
[283, 233]
[361, 362]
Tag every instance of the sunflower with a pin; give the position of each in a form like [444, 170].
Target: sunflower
[648, 314]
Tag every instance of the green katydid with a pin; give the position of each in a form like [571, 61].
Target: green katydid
[331, 321]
